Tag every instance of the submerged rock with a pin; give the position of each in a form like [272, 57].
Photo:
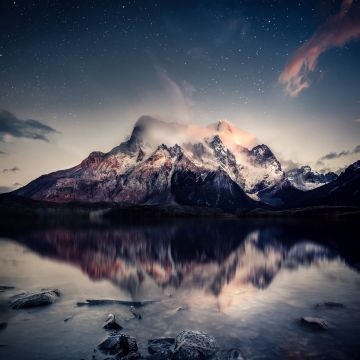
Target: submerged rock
[330, 304]
[3, 325]
[136, 314]
[191, 344]
[121, 345]
[233, 354]
[111, 323]
[99, 302]
[68, 318]
[42, 298]
[315, 322]
[161, 348]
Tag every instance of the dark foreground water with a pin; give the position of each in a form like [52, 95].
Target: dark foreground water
[245, 283]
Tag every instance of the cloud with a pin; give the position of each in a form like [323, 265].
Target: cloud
[335, 32]
[181, 97]
[11, 126]
[335, 155]
[289, 164]
[13, 169]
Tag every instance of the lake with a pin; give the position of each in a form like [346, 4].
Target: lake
[247, 283]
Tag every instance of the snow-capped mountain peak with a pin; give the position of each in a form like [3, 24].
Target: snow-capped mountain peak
[304, 178]
[187, 164]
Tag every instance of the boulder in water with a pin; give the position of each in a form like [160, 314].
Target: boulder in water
[42, 298]
[192, 344]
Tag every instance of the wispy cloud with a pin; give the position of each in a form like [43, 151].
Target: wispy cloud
[13, 169]
[289, 164]
[11, 126]
[181, 96]
[335, 32]
[335, 155]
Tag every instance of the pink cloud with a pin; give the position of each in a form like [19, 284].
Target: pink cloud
[335, 32]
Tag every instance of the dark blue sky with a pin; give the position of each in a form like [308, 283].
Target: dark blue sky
[89, 68]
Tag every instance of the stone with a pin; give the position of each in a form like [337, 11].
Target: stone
[161, 345]
[68, 318]
[232, 354]
[136, 314]
[192, 344]
[100, 302]
[330, 304]
[315, 322]
[42, 298]
[122, 345]
[111, 323]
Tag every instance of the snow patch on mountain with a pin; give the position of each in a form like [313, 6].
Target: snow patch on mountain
[304, 178]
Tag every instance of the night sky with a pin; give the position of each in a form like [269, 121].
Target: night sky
[75, 76]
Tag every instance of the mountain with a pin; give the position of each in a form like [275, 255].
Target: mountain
[214, 166]
[304, 178]
[344, 190]
[168, 163]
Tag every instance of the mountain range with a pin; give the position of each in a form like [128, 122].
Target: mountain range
[216, 166]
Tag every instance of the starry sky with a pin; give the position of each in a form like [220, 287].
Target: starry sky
[75, 76]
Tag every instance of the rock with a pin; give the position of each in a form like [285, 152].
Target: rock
[97, 302]
[38, 299]
[3, 325]
[136, 314]
[111, 323]
[123, 345]
[68, 318]
[330, 304]
[315, 322]
[163, 347]
[233, 354]
[191, 344]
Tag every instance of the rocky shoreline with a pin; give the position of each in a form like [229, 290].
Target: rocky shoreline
[187, 344]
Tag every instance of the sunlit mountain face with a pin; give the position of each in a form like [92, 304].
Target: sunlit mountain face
[217, 166]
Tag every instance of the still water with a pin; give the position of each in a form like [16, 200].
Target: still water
[246, 283]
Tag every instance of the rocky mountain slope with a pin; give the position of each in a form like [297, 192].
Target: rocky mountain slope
[345, 190]
[216, 166]
[304, 178]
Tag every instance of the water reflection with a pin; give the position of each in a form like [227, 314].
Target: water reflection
[246, 283]
[221, 258]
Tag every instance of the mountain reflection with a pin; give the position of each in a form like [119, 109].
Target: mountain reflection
[215, 257]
